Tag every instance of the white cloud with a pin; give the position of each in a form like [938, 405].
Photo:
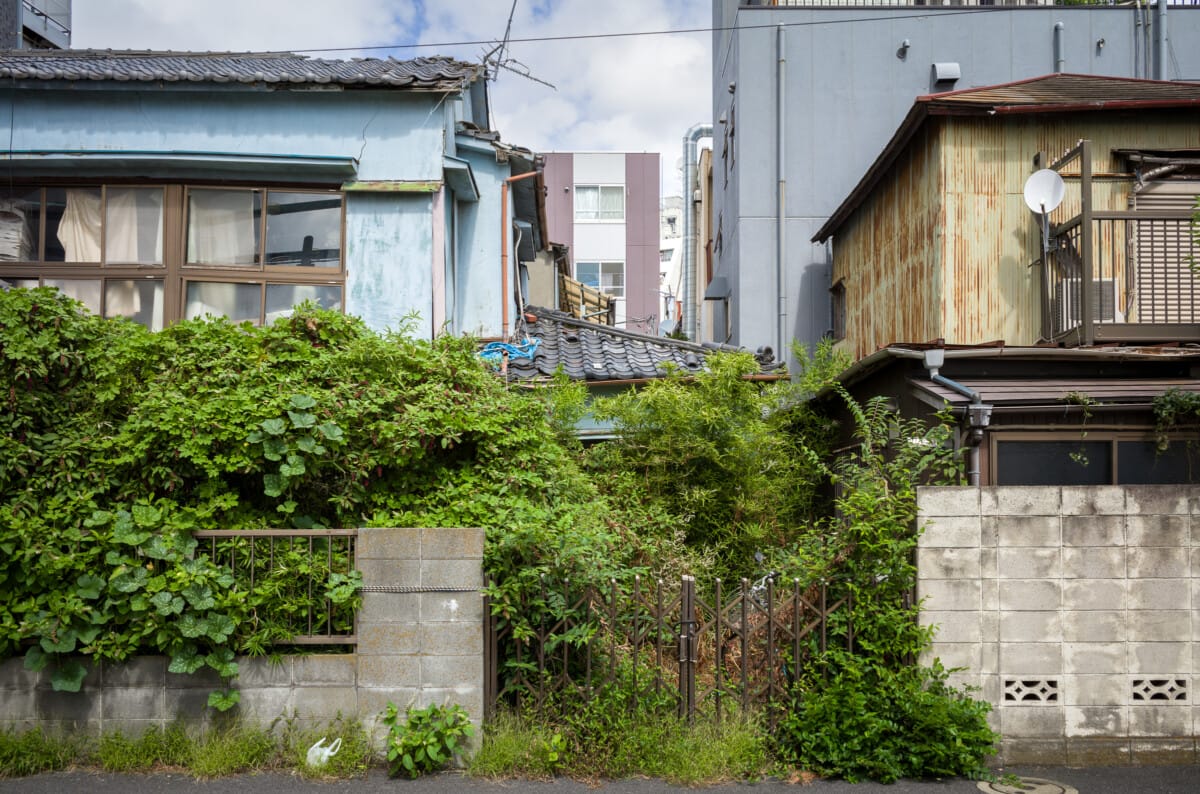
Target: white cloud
[237, 25]
[626, 93]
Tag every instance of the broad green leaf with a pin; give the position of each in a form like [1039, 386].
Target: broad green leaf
[274, 449]
[331, 431]
[157, 548]
[302, 419]
[186, 661]
[89, 586]
[224, 700]
[220, 627]
[274, 427]
[199, 596]
[167, 604]
[68, 677]
[36, 659]
[147, 517]
[190, 626]
[273, 484]
[302, 401]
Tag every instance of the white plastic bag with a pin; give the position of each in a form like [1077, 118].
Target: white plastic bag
[320, 753]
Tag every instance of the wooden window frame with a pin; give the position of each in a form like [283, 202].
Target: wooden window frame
[173, 270]
[1092, 434]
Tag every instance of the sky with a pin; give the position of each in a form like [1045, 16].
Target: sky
[613, 94]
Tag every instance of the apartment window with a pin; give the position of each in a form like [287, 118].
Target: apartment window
[608, 277]
[599, 202]
[1099, 458]
[159, 254]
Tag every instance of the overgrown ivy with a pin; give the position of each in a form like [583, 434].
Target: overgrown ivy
[116, 445]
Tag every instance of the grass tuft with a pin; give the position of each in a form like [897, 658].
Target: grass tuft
[32, 752]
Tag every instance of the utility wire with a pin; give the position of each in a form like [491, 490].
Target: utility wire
[926, 12]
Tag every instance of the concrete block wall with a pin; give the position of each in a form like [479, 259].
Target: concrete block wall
[1075, 611]
[414, 648]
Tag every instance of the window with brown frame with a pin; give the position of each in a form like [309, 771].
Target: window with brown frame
[157, 254]
[1097, 458]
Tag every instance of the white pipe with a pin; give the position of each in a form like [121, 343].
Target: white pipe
[781, 194]
[687, 301]
[1060, 56]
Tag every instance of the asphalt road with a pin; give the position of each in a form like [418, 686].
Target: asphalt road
[1123, 780]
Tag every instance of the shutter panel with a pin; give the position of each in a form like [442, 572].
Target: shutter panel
[1163, 251]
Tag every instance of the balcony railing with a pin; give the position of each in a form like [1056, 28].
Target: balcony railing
[1119, 276]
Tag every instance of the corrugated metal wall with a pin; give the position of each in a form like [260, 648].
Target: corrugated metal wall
[888, 257]
[945, 246]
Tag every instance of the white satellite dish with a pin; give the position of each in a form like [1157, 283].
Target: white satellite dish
[1044, 191]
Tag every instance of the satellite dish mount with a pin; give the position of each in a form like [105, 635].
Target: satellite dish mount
[1044, 191]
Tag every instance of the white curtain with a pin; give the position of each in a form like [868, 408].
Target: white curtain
[125, 238]
[612, 203]
[221, 227]
[79, 228]
[16, 237]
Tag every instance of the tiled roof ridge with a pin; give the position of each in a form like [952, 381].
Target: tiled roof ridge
[432, 72]
[576, 322]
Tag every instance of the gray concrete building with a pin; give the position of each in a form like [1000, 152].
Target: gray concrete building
[35, 24]
[805, 96]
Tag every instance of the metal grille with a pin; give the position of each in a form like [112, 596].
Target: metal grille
[739, 647]
[301, 560]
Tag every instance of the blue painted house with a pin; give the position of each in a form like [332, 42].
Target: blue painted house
[162, 186]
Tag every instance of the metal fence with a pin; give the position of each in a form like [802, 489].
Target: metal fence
[727, 649]
[300, 564]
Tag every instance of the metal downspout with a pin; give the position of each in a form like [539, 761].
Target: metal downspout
[688, 302]
[781, 187]
[1160, 40]
[1060, 55]
[979, 414]
[504, 296]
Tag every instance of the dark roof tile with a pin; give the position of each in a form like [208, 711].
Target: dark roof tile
[418, 74]
[587, 351]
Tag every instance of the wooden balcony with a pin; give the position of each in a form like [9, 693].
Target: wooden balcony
[1139, 270]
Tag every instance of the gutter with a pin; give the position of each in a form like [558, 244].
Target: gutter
[690, 185]
[504, 297]
[979, 414]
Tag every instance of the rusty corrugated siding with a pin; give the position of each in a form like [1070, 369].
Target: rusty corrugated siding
[887, 259]
[943, 245]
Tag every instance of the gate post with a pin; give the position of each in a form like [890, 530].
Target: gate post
[687, 648]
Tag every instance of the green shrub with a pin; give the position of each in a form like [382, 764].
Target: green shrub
[428, 739]
[884, 724]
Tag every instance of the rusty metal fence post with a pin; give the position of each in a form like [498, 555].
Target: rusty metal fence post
[687, 648]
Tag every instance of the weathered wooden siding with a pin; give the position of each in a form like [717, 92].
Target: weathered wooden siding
[887, 256]
[944, 246]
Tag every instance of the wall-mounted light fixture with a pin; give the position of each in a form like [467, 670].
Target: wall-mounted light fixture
[902, 53]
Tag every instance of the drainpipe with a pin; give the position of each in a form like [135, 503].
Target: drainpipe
[979, 414]
[1060, 55]
[688, 303]
[781, 188]
[504, 296]
[1160, 40]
